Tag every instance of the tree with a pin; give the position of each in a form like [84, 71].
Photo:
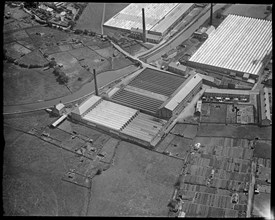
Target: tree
[98, 172]
[57, 71]
[63, 79]
[52, 63]
[86, 32]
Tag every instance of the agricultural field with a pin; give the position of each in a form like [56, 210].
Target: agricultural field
[23, 86]
[220, 167]
[76, 54]
[113, 8]
[263, 149]
[236, 131]
[91, 18]
[32, 172]
[140, 183]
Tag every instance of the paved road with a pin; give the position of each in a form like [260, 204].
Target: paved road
[182, 36]
[102, 80]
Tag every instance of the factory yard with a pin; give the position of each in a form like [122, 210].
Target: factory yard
[227, 113]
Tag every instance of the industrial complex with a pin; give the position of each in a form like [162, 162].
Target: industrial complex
[166, 112]
[240, 46]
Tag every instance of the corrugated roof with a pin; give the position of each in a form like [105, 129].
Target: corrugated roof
[186, 89]
[144, 127]
[81, 109]
[131, 16]
[158, 17]
[239, 43]
[171, 17]
[111, 115]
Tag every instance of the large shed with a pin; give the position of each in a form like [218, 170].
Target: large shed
[159, 17]
[181, 97]
[242, 45]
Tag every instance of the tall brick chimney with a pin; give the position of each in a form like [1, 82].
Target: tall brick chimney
[96, 90]
[143, 25]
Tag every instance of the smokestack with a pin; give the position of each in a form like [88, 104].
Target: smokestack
[211, 13]
[96, 90]
[143, 25]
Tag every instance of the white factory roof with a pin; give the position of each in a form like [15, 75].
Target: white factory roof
[239, 43]
[187, 87]
[111, 115]
[158, 16]
[81, 109]
[171, 17]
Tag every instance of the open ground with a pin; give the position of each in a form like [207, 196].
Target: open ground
[91, 17]
[77, 54]
[140, 183]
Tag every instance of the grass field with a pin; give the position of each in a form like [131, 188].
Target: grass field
[241, 131]
[91, 17]
[140, 183]
[29, 85]
[113, 8]
[262, 149]
[32, 172]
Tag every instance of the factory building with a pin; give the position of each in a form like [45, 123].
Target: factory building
[227, 93]
[178, 68]
[266, 106]
[160, 18]
[59, 109]
[240, 47]
[148, 90]
[204, 32]
[179, 100]
[123, 121]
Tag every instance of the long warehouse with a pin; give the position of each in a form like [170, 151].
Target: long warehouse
[159, 17]
[240, 46]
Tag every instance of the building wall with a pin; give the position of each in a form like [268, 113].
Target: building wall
[166, 113]
[189, 97]
[220, 70]
[75, 116]
[208, 94]
[177, 71]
